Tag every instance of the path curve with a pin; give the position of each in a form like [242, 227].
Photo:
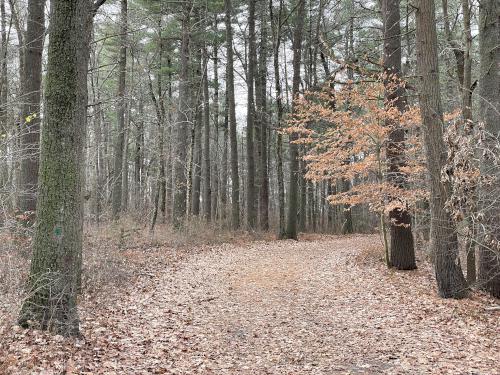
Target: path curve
[327, 306]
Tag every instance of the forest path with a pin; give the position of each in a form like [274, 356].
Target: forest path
[314, 307]
[321, 306]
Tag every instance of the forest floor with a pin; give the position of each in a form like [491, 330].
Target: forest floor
[323, 305]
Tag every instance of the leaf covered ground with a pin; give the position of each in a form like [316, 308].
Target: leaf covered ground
[325, 305]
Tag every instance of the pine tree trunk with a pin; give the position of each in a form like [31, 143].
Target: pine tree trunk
[276, 23]
[250, 185]
[197, 151]
[139, 156]
[263, 123]
[402, 252]
[180, 162]
[57, 246]
[31, 81]
[170, 147]
[122, 106]
[450, 279]
[206, 173]
[293, 197]
[215, 167]
[235, 188]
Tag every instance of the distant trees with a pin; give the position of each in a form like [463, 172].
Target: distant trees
[281, 115]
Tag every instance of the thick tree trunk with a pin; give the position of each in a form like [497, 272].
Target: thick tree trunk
[31, 81]
[56, 264]
[489, 107]
[450, 279]
[235, 182]
[120, 114]
[402, 254]
[293, 198]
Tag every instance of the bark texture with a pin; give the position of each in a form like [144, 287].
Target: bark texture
[489, 112]
[235, 179]
[450, 279]
[402, 254]
[56, 263]
[293, 197]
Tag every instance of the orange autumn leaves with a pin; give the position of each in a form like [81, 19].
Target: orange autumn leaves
[345, 133]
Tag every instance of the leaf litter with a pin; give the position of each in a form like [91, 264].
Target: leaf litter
[324, 305]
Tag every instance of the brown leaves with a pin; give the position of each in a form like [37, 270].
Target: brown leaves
[346, 133]
[324, 305]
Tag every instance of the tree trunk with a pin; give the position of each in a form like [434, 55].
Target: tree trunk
[450, 279]
[293, 198]
[250, 186]
[139, 156]
[197, 151]
[489, 106]
[276, 23]
[215, 168]
[464, 75]
[170, 148]
[180, 162]
[122, 106]
[57, 246]
[402, 254]
[263, 123]
[235, 191]
[205, 169]
[31, 81]
[4, 88]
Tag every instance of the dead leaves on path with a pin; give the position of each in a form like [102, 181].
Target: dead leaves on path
[322, 306]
